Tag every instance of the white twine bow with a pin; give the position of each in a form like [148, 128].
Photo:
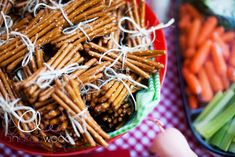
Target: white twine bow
[81, 26]
[113, 75]
[82, 126]
[123, 50]
[54, 6]
[46, 78]
[10, 108]
[142, 32]
[8, 24]
[29, 44]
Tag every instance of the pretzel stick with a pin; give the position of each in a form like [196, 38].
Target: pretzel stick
[142, 13]
[63, 104]
[128, 64]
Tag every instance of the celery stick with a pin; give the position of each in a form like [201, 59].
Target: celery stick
[232, 148]
[233, 87]
[209, 107]
[208, 129]
[227, 140]
[214, 108]
[219, 135]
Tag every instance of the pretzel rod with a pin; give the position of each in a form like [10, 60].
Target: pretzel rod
[93, 132]
[68, 56]
[47, 108]
[117, 92]
[135, 11]
[11, 95]
[95, 70]
[38, 105]
[97, 55]
[39, 58]
[107, 29]
[128, 64]
[110, 91]
[52, 114]
[80, 37]
[90, 78]
[21, 24]
[77, 95]
[80, 71]
[108, 85]
[41, 14]
[131, 13]
[115, 6]
[142, 13]
[93, 25]
[76, 109]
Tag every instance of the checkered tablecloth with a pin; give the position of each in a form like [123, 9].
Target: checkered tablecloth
[169, 111]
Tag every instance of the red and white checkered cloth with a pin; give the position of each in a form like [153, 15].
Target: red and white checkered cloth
[169, 111]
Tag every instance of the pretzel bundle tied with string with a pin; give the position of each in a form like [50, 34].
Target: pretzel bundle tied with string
[71, 69]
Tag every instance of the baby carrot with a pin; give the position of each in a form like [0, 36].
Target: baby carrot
[194, 32]
[225, 80]
[214, 79]
[228, 36]
[207, 93]
[223, 45]
[207, 28]
[182, 42]
[231, 73]
[191, 10]
[184, 22]
[192, 81]
[189, 52]
[220, 30]
[218, 59]
[200, 57]
[232, 56]
[193, 102]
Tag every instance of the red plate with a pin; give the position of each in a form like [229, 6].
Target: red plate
[159, 43]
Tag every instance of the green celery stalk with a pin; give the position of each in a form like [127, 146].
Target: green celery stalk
[219, 135]
[214, 108]
[227, 140]
[233, 87]
[209, 128]
[232, 148]
[214, 102]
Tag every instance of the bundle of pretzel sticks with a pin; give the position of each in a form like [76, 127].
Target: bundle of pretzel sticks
[69, 69]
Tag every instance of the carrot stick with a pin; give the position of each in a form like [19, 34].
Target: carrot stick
[184, 22]
[207, 92]
[189, 52]
[219, 30]
[193, 102]
[225, 81]
[182, 42]
[186, 63]
[231, 73]
[228, 36]
[224, 46]
[191, 10]
[232, 56]
[207, 28]
[194, 32]
[214, 79]
[218, 59]
[191, 81]
[200, 57]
